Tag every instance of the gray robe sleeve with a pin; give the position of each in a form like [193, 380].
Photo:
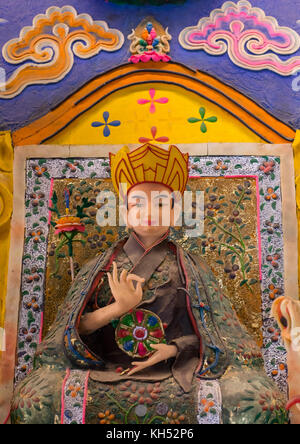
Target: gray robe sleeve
[187, 343]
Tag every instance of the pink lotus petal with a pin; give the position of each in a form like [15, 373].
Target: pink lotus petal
[145, 58]
[162, 100]
[152, 108]
[165, 58]
[80, 228]
[153, 131]
[152, 93]
[134, 59]
[143, 101]
[156, 57]
[162, 139]
[144, 140]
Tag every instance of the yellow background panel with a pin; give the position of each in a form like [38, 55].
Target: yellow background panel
[170, 119]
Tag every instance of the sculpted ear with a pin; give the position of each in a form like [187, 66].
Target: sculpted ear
[280, 311]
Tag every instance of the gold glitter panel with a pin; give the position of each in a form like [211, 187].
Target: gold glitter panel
[228, 244]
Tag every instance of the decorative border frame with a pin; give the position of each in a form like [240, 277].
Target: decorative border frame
[203, 158]
[73, 408]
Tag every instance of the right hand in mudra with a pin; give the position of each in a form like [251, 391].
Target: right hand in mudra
[125, 294]
[126, 298]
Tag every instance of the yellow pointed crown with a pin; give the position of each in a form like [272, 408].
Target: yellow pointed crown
[149, 163]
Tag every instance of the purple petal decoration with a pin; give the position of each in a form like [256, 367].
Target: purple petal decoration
[106, 116]
[115, 123]
[96, 124]
[106, 131]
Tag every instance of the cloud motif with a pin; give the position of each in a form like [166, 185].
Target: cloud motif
[2, 21]
[46, 49]
[251, 39]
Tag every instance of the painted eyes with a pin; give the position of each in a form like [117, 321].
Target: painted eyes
[157, 205]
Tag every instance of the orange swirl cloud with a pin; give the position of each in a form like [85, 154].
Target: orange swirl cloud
[47, 49]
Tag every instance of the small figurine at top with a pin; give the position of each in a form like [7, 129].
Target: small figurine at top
[149, 44]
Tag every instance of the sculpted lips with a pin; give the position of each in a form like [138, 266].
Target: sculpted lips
[149, 222]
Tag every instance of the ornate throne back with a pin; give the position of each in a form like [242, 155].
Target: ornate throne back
[249, 238]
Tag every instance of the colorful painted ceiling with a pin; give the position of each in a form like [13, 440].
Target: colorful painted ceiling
[51, 49]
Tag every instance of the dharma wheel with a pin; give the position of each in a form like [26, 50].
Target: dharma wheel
[137, 331]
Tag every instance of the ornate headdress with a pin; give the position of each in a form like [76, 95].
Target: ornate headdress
[149, 163]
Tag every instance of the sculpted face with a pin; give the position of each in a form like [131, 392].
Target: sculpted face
[152, 208]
